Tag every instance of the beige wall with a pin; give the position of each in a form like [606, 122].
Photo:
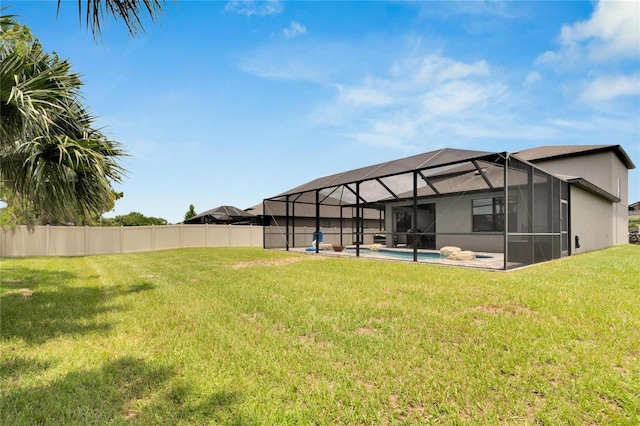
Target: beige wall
[602, 169]
[605, 170]
[81, 241]
[592, 221]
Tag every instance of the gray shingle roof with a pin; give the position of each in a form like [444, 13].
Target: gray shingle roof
[426, 160]
[549, 152]
[444, 171]
[222, 213]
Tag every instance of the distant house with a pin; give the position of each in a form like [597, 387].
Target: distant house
[532, 205]
[332, 220]
[634, 209]
[304, 214]
[223, 215]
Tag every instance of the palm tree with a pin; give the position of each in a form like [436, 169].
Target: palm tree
[130, 11]
[51, 158]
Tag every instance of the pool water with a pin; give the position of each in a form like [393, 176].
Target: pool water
[404, 255]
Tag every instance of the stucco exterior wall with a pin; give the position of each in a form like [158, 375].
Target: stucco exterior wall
[591, 221]
[602, 169]
[454, 223]
[605, 170]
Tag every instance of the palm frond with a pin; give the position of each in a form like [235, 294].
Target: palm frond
[51, 157]
[130, 11]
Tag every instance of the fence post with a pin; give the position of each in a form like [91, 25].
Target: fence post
[47, 241]
[86, 237]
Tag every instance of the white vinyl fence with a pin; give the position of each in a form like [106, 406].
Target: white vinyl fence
[89, 240]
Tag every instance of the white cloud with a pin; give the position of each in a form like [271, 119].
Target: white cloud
[397, 132]
[251, 7]
[281, 68]
[287, 63]
[294, 30]
[548, 58]
[609, 87]
[309, 61]
[422, 99]
[573, 125]
[363, 97]
[532, 78]
[596, 53]
[435, 68]
[457, 96]
[611, 33]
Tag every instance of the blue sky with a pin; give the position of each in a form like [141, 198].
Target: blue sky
[227, 103]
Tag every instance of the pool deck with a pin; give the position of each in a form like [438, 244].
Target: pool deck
[495, 261]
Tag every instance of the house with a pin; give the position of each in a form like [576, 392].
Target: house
[335, 221]
[634, 209]
[223, 215]
[532, 205]
[305, 215]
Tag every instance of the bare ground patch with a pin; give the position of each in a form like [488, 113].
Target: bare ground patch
[25, 292]
[411, 413]
[368, 385]
[277, 262]
[505, 309]
[252, 317]
[366, 331]
[308, 338]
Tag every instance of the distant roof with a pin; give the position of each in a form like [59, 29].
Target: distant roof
[222, 214]
[550, 152]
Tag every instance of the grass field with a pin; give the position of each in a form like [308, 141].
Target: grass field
[246, 336]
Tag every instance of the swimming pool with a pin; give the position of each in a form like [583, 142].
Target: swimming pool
[402, 255]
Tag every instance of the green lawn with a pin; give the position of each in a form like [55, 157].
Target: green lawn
[246, 336]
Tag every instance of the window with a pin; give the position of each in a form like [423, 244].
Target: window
[488, 214]
[403, 221]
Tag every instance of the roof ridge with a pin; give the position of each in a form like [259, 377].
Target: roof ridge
[545, 152]
[434, 156]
